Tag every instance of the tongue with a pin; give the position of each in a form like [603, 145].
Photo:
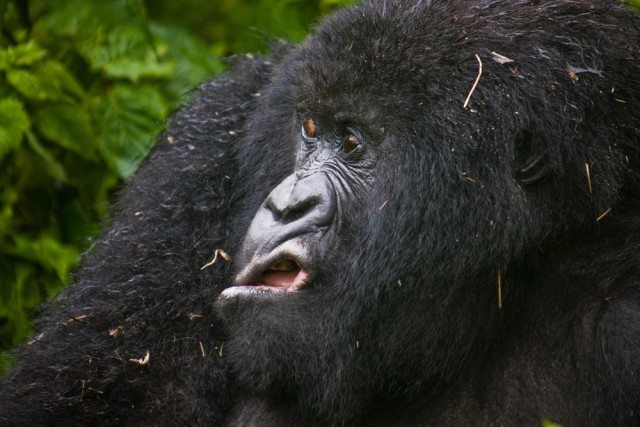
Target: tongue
[279, 278]
[289, 281]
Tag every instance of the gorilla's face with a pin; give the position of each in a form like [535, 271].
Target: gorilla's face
[297, 223]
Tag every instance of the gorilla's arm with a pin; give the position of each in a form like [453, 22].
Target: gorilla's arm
[141, 291]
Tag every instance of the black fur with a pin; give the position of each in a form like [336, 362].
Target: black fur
[404, 322]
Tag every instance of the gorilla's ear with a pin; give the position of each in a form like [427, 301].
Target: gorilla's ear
[530, 163]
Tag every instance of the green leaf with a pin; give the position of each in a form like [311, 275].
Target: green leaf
[327, 6]
[45, 160]
[144, 65]
[8, 198]
[78, 17]
[62, 78]
[22, 54]
[126, 53]
[50, 81]
[130, 118]
[46, 251]
[34, 85]
[6, 362]
[27, 292]
[68, 125]
[194, 61]
[14, 122]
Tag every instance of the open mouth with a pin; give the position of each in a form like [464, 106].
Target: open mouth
[284, 275]
[280, 276]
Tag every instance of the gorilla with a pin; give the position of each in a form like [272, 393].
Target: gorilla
[428, 213]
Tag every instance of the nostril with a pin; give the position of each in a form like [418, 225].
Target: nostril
[306, 200]
[293, 208]
[300, 209]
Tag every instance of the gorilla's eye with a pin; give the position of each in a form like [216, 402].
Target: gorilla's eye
[309, 129]
[350, 143]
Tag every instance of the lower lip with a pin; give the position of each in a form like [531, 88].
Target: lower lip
[267, 289]
[258, 290]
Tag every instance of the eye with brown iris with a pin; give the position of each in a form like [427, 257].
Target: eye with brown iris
[309, 128]
[350, 143]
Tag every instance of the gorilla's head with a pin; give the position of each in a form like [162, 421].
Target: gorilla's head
[371, 269]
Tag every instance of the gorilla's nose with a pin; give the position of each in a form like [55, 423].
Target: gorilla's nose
[307, 199]
[299, 206]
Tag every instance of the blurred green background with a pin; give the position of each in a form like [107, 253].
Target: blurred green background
[85, 86]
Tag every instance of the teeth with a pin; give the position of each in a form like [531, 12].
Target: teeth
[284, 265]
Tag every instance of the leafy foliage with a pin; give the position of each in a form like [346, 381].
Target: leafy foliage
[84, 88]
